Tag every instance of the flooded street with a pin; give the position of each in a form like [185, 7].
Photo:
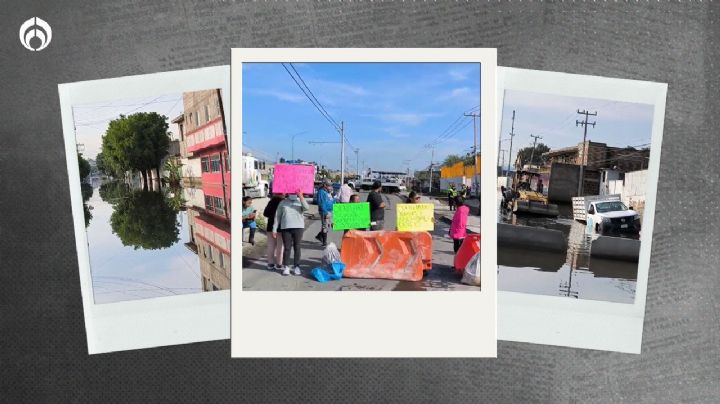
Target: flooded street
[137, 248]
[573, 274]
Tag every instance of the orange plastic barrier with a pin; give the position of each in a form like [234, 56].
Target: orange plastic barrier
[468, 249]
[395, 255]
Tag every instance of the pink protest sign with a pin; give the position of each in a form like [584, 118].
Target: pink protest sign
[288, 178]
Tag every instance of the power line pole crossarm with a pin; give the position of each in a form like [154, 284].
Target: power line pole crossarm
[584, 123]
[532, 154]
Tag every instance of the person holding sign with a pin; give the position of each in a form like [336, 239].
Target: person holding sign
[377, 207]
[458, 227]
[415, 217]
[290, 219]
[325, 205]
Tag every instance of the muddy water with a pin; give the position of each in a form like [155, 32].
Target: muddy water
[573, 274]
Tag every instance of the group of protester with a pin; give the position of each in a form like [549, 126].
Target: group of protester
[286, 221]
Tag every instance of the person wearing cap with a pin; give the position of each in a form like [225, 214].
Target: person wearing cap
[377, 207]
[325, 204]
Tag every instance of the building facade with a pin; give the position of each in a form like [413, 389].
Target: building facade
[204, 148]
[595, 155]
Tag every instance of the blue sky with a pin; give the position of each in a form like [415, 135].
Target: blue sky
[553, 117]
[390, 111]
[91, 120]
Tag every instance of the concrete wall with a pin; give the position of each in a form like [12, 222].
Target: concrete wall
[531, 237]
[635, 189]
[563, 182]
[616, 248]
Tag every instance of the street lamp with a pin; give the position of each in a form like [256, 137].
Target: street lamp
[292, 154]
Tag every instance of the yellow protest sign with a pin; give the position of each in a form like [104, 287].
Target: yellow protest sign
[415, 217]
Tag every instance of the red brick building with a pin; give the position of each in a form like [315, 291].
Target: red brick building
[595, 155]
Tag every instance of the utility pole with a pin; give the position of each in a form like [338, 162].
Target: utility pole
[512, 134]
[357, 164]
[532, 154]
[502, 151]
[584, 124]
[432, 157]
[342, 152]
[475, 148]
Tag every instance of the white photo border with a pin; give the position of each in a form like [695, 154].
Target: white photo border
[568, 322]
[150, 322]
[371, 324]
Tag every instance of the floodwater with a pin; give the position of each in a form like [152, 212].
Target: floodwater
[136, 241]
[572, 274]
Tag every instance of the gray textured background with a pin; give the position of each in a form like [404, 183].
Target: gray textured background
[43, 351]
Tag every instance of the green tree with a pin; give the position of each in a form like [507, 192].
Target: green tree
[84, 167]
[136, 142]
[282, 160]
[174, 174]
[525, 153]
[100, 163]
[144, 219]
[451, 160]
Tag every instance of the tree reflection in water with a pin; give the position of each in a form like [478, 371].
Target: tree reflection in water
[142, 219]
[114, 191]
[86, 190]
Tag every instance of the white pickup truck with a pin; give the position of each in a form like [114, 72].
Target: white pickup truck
[606, 215]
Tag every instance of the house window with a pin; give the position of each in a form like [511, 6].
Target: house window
[210, 254]
[209, 203]
[207, 114]
[215, 163]
[222, 260]
[205, 165]
[219, 206]
[197, 118]
[227, 163]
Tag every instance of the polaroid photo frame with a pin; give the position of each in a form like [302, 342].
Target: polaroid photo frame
[370, 324]
[578, 323]
[149, 322]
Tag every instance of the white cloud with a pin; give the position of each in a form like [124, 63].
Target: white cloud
[281, 95]
[408, 118]
[458, 74]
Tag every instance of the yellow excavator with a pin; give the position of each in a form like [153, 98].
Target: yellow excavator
[527, 201]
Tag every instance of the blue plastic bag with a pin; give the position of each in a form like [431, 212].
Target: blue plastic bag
[321, 275]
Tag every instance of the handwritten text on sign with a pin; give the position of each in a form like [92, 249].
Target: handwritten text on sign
[415, 217]
[351, 216]
[289, 178]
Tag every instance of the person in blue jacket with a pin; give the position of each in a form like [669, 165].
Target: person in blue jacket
[325, 204]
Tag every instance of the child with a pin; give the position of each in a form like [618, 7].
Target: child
[248, 218]
[458, 227]
[354, 198]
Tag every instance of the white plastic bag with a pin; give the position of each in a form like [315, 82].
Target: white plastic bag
[330, 255]
[471, 276]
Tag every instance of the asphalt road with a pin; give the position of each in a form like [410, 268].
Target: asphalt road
[440, 277]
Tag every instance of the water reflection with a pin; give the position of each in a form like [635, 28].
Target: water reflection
[572, 274]
[146, 244]
[144, 219]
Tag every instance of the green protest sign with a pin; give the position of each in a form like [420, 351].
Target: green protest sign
[415, 217]
[351, 216]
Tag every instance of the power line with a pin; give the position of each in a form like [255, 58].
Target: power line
[313, 95]
[318, 106]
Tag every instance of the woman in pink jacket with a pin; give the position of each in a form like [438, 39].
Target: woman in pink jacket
[458, 227]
